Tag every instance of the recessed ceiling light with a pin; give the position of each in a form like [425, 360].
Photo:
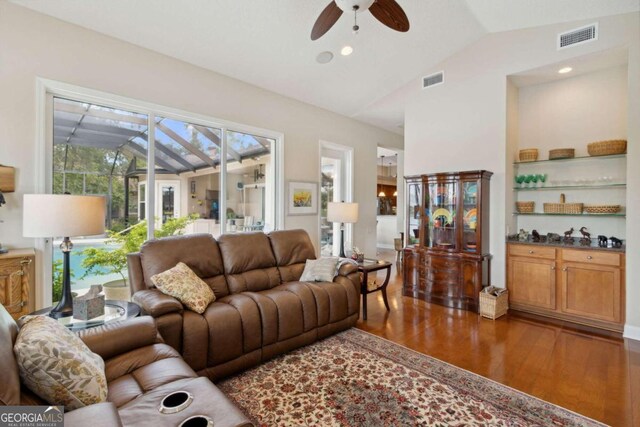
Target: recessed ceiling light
[324, 57]
[346, 51]
[565, 70]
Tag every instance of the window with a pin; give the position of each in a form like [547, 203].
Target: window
[224, 177]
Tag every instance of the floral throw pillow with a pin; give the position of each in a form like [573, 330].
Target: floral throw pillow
[183, 284]
[319, 270]
[57, 366]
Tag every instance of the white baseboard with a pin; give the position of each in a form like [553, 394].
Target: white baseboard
[632, 332]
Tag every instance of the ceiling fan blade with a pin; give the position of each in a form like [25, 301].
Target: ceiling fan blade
[390, 14]
[325, 21]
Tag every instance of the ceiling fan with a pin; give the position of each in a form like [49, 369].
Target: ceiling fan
[388, 12]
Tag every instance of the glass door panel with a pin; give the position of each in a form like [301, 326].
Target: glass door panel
[470, 215]
[413, 214]
[440, 208]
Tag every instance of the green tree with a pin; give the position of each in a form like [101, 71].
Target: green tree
[105, 260]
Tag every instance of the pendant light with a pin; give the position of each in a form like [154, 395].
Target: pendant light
[381, 193]
[395, 193]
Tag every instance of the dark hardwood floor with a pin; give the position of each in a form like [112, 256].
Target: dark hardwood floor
[591, 374]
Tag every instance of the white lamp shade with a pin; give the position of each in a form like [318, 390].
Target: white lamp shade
[342, 212]
[62, 215]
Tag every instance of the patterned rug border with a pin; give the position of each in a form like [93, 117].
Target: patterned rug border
[479, 377]
[369, 344]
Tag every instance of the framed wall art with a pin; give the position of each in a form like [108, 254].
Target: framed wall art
[302, 198]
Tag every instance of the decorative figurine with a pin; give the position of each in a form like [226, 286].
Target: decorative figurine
[553, 237]
[615, 242]
[568, 240]
[602, 241]
[585, 233]
[536, 235]
[523, 235]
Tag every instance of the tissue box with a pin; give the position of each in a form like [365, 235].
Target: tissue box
[85, 309]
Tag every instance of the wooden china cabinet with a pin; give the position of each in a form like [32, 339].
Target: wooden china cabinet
[446, 260]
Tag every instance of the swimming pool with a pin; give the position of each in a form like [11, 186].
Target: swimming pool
[75, 262]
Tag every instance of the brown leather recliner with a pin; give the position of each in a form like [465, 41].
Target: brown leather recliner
[261, 309]
[140, 372]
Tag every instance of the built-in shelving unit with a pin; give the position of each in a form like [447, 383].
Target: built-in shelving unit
[571, 187]
[619, 214]
[572, 159]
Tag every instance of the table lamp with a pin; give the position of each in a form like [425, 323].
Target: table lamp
[63, 215]
[344, 213]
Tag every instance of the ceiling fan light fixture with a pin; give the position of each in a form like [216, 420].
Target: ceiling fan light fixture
[346, 50]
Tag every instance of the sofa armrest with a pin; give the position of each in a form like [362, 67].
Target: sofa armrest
[97, 415]
[155, 303]
[347, 268]
[114, 338]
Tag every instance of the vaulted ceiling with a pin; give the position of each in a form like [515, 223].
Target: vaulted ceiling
[267, 43]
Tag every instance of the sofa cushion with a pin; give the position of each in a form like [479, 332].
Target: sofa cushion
[199, 251]
[291, 249]
[138, 371]
[9, 377]
[183, 284]
[57, 366]
[249, 263]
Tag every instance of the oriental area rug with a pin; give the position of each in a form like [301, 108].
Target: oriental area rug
[357, 379]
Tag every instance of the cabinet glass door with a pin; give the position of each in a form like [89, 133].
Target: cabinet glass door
[440, 210]
[469, 212]
[413, 213]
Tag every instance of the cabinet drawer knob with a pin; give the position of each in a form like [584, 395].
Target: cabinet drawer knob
[553, 267]
[589, 257]
[530, 252]
[565, 269]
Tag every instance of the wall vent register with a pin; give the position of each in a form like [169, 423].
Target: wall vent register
[432, 80]
[578, 36]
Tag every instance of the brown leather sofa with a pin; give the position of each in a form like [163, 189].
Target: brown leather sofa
[261, 309]
[140, 371]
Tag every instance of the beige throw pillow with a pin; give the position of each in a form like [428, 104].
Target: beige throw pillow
[319, 270]
[57, 366]
[183, 284]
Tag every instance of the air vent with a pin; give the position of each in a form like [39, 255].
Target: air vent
[578, 36]
[432, 80]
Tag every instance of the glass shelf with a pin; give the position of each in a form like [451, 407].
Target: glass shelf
[571, 187]
[619, 214]
[572, 159]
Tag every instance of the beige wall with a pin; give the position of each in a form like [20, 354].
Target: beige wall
[34, 45]
[462, 124]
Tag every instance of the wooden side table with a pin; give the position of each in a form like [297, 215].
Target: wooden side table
[368, 266]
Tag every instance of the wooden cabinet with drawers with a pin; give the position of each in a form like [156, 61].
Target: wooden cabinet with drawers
[581, 285]
[448, 236]
[17, 286]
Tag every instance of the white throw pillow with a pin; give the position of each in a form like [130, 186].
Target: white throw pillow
[319, 270]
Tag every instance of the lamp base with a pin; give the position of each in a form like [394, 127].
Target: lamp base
[342, 254]
[62, 312]
[65, 306]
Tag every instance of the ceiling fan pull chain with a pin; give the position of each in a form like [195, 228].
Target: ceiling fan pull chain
[355, 19]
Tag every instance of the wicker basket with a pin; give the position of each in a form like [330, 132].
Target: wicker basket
[562, 153]
[563, 208]
[602, 209]
[492, 306]
[528, 155]
[525, 207]
[607, 148]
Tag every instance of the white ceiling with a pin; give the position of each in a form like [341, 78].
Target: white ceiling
[267, 43]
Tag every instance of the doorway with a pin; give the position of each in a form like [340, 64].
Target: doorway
[336, 185]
